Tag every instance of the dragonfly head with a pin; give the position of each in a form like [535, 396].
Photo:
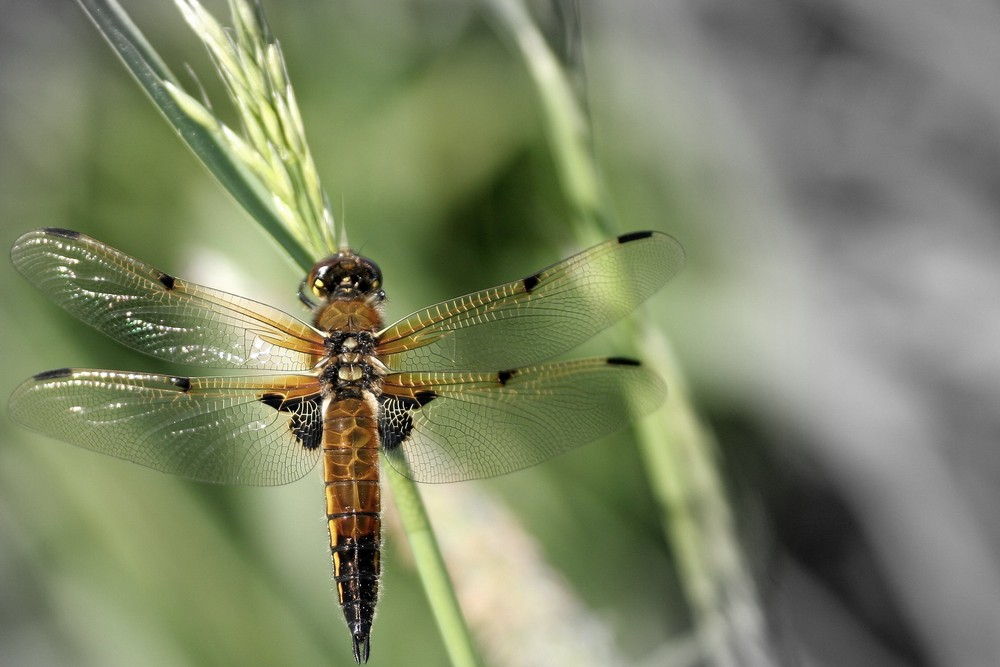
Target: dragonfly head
[342, 276]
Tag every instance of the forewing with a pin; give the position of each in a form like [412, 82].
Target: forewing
[158, 314]
[262, 430]
[447, 427]
[538, 317]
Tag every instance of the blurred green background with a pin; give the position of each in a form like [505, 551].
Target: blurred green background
[808, 163]
[428, 137]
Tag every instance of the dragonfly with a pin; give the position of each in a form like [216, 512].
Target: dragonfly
[457, 391]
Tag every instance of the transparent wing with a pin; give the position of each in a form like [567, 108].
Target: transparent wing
[448, 427]
[262, 430]
[158, 314]
[536, 318]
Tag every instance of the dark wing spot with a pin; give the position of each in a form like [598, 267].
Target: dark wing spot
[504, 376]
[272, 400]
[307, 423]
[59, 231]
[184, 384]
[395, 420]
[530, 283]
[307, 416]
[634, 236]
[167, 280]
[623, 361]
[425, 397]
[53, 374]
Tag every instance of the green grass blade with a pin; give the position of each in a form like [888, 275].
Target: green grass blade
[433, 574]
[681, 461]
[678, 449]
[158, 82]
[272, 142]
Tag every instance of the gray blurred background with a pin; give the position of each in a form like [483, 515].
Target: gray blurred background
[833, 170]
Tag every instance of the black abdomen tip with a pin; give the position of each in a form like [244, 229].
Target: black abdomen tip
[362, 647]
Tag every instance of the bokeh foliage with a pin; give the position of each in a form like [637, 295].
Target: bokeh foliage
[427, 133]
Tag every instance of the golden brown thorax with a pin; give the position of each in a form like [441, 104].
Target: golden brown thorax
[349, 316]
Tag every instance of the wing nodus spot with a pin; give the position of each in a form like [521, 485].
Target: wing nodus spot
[530, 283]
[634, 236]
[54, 374]
[504, 376]
[166, 280]
[182, 383]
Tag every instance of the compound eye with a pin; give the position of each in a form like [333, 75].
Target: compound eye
[319, 287]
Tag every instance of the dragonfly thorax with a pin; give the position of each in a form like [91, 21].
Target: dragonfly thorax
[350, 365]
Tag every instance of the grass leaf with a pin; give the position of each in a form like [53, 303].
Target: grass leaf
[189, 118]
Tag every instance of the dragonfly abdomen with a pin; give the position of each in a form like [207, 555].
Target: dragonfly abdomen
[353, 506]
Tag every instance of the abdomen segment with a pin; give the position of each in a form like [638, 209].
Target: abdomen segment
[353, 505]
